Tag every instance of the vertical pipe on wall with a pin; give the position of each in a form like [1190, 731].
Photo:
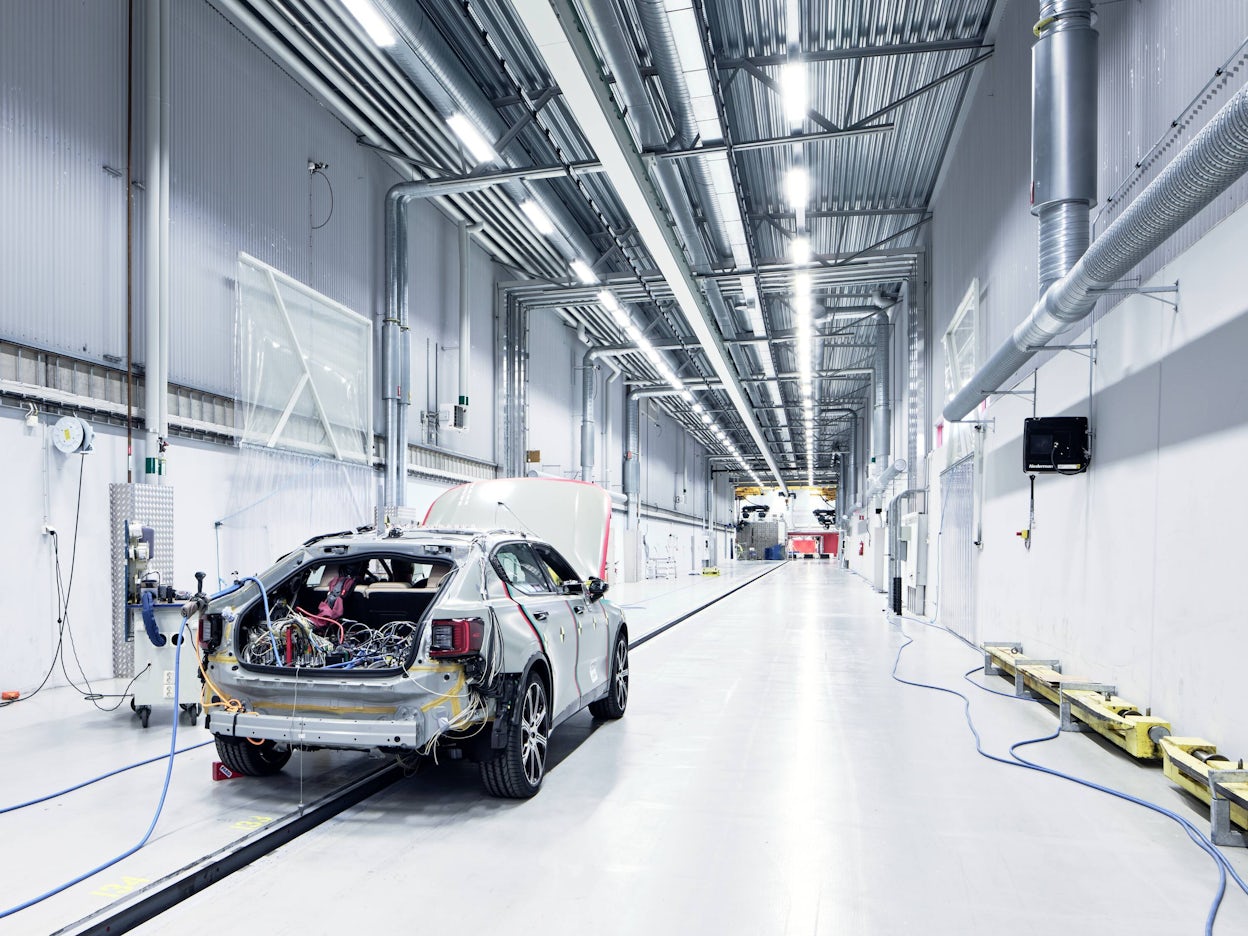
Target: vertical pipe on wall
[151, 273]
[632, 458]
[465, 316]
[589, 369]
[130, 242]
[881, 427]
[165, 55]
[391, 353]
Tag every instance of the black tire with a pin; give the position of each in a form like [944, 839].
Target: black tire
[254, 760]
[612, 706]
[144, 713]
[517, 772]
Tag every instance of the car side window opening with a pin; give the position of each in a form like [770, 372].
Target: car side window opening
[556, 566]
[522, 570]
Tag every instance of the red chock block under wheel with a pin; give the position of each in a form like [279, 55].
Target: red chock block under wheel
[221, 772]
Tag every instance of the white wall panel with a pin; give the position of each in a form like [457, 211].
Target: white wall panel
[1125, 580]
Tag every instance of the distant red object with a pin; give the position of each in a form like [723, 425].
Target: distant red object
[221, 772]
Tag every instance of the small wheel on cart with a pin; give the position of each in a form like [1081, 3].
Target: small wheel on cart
[144, 712]
[132, 705]
[192, 713]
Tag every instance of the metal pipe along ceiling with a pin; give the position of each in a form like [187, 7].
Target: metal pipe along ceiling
[428, 61]
[1202, 170]
[618, 57]
[574, 65]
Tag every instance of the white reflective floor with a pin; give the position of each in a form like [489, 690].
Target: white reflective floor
[769, 777]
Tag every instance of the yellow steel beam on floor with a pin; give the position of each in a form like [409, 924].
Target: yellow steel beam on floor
[1116, 720]
[1180, 764]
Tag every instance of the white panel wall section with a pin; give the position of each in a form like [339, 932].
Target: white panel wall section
[62, 120]
[242, 138]
[1125, 578]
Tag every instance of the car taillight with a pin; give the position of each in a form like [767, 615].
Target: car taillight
[452, 637]
[210, 627]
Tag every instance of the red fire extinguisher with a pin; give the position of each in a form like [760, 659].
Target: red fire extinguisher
[860, 547]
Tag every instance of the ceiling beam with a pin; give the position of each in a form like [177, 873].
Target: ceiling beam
[562, 41]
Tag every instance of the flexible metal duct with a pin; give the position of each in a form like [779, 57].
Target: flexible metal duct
[1203, 170]
[885, 478]
[1063, 134]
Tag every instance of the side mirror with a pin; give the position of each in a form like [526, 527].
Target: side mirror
[595, 588]
[574, 588]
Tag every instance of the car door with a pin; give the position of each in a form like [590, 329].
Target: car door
[592, 640]
[543, 604]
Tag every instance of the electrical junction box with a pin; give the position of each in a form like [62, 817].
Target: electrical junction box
[1056, 445]
[453, 416]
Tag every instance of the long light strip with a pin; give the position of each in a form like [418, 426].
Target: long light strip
[372, 22]
[574, 65]
[472, 138]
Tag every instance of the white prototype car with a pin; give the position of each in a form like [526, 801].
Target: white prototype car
[469, 634]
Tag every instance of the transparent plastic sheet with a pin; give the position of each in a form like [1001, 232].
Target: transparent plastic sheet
[276, 500]
[304, 368]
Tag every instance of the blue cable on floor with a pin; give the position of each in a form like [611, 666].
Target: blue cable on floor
[103, 776]
[160, 805]
[1016, 760]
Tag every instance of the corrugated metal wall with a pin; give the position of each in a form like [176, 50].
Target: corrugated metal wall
[1154, 58]
[242, 135]
[62, 216]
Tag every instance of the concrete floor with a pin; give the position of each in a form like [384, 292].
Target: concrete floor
[769, 777]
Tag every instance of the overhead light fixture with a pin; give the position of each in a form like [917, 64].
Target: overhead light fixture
[472, 138]
[584, 272]
[797, 187]
[607, 298]
[540, 219]
[793, 92]
[371, 21]
[799, 250]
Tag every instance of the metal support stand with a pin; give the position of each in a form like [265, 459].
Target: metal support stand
[1068, 722]
[1020, 686]
[1148, 292]
[1220, 808]
[990, 668]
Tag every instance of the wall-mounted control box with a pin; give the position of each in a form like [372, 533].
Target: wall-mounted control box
[1056, 444]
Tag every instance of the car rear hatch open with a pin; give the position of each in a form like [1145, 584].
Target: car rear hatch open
[572, 516]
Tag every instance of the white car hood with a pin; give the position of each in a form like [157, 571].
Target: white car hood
[572, 516]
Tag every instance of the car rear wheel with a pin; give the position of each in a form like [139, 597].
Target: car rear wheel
[254, 760]
[616, 700]
[517, 772]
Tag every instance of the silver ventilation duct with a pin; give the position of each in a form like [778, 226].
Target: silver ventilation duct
[1202, 170]
[1063, 134]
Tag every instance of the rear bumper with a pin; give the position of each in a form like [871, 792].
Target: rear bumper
[345, 733]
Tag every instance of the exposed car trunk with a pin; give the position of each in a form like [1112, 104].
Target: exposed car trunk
[360, 615]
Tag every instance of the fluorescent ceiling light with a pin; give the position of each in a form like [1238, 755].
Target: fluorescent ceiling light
[584, 273]
[607, 298]
[797, 187]
[793, 91]
[799, 250]
[472, 138]
[540, 219]
[372, 21]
